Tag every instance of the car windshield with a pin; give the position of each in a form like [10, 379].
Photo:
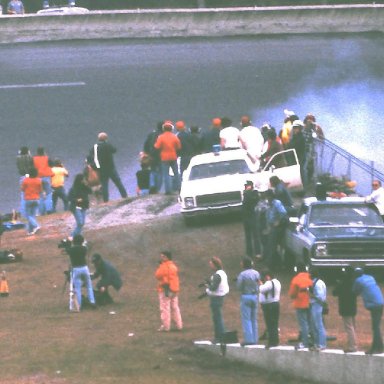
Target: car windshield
[341, 215]
[230, 167]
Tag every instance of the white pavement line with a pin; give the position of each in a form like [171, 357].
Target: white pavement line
[42, 85]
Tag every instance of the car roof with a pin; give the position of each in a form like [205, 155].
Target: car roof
[215, 157]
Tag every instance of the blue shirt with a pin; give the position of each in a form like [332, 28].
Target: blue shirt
[366, 286]
[276, 212]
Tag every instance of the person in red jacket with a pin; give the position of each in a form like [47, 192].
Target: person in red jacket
[44, 171]
[168, 287]
[169, 144]
[32, 187]
[299, 291]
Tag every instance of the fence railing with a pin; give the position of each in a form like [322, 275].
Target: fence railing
[331, 159]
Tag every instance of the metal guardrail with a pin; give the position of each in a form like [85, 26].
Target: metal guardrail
[331, 159]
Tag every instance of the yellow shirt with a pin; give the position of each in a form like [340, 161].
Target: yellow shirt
[58, 178]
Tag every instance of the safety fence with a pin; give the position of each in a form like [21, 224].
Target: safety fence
[335, 161]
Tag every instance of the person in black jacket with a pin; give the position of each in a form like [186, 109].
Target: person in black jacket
[80, 272]
[78, 198]
[101, 158]
[109, 276]
[347, 306]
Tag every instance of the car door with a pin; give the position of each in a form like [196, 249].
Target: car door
[285, 165]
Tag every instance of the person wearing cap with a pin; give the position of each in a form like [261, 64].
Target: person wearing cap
[109, 276]
[188, 149]
[101, 159]
[212, 136]
[169, 144]
[229, 135]
[366, 286]
[377, 196]
[250, 201]
[251, 139]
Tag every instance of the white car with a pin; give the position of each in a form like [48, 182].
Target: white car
[214, 182]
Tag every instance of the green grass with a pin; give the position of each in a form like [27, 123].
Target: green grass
[41, 342]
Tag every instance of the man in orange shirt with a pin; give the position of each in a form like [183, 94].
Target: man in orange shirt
[299, 291]
[32, 188]
[168, 144]
[167, 275]
[44, 171]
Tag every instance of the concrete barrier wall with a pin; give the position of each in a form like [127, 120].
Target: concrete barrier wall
[193, 22]
[330, 366]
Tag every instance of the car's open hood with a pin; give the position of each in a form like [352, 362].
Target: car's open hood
[343, 233]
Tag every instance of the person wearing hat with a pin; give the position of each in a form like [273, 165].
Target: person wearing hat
[250, 201]
[366, 286]
[101, 159]
[212, 136]
[169, 144]
[109, 276]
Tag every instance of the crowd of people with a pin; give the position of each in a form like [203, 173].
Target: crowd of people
[308, 293]
[264, 217]
[42, 183]
[170, 141]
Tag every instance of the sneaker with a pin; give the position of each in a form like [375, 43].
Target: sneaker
[300, 347]
[162, 329]
[36, 229]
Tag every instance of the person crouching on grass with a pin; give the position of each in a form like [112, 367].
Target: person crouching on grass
[167, 275]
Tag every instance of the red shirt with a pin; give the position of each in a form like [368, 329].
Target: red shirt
[32, 187]
[42, 166]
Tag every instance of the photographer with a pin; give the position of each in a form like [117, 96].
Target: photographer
[216, 289]
[109, 277]
[167, 275]
[80, 272]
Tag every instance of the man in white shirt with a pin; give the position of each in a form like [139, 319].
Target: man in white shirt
[377, 196]
[229, 136]
[251, 139]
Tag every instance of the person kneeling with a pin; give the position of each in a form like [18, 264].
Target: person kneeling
[109, 277]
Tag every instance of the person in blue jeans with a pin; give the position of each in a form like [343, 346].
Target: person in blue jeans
[80, 271]
[248, 284]
[318, 297]
[366, 286]
[78, 197]
[216, 289]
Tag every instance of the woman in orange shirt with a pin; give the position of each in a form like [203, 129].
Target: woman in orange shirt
[32, 188]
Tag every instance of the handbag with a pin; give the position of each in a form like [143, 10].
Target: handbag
[92, 177]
